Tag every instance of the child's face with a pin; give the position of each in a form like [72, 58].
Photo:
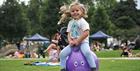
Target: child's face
[76, 12]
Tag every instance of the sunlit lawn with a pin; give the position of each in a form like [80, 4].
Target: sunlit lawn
[105, 65]
[116, 53]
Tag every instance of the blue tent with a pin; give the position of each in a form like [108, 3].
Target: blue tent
[99, 35]
[37, 37]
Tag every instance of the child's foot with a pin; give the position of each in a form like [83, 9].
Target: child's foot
[63, 70]
[93, 69]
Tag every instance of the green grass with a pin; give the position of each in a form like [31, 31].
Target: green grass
[105, 54]
[119, 65]
[18, 65]
[105, 65]
[115, 53]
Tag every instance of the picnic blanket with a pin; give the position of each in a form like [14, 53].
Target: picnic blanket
[46, 64]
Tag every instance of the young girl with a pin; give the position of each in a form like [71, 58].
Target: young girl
[78, 34]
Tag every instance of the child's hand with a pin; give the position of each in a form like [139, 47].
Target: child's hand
[76, 43]
[71, 43]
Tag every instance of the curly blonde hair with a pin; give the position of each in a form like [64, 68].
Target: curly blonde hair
[82, 6]
[65, 11]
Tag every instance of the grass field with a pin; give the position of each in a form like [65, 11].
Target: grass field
[105, 65]
[116, 53]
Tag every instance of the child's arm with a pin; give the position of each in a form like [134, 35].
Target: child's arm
[82, 37]
[50, 47]
[70, 40]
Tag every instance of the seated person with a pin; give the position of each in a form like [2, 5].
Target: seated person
[53, 55]
[34, 54]
[124, 52]
[53, 49]
[130, 52]
[21, 54]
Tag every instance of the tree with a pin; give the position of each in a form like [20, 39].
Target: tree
[50, 17]
[35, 16]
[25, 17]
[107, 4]
[12, 22]
[125, 22]
[100, 21]
[138, 17]
[124, 8]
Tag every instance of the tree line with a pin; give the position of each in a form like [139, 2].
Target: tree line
[118, 19]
